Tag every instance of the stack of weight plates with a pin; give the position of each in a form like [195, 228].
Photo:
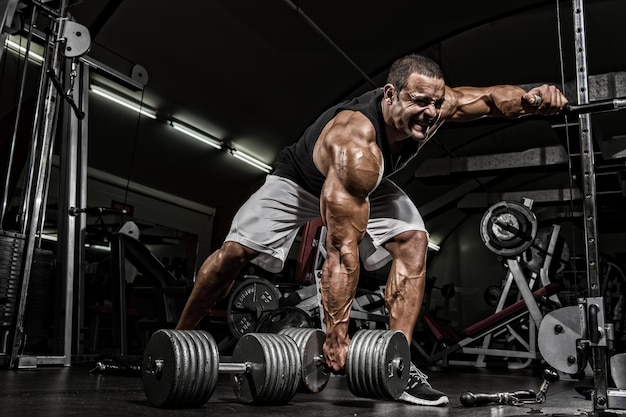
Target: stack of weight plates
[11, 250]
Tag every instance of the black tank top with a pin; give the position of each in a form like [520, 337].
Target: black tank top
[296, 161]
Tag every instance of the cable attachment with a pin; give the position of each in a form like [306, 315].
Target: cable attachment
[67, 96]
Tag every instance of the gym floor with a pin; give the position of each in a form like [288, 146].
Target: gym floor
[74, 391]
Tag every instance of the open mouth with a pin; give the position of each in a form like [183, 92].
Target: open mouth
[419, 126]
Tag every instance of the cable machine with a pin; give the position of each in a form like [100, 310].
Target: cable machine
[61, 102]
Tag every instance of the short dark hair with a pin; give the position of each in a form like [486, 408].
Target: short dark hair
[407, 65]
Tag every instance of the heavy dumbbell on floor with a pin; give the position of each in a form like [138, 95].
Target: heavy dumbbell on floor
[377, 364]
[180, 368]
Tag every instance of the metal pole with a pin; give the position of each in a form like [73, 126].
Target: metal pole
[81, 96]
[71, 195]
[18, 110]
[598, 347]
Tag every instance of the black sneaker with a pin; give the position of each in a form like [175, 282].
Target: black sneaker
[418, 390]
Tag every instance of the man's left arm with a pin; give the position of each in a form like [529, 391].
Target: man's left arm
[470, 103]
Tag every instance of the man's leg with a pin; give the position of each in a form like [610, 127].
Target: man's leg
[407, 277]
[213, 282]
[404, 294]
[263, 230]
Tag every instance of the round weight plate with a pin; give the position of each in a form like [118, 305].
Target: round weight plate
[558, 333]
[508, 228]
[161, 369]
[310, 343]
[283, 317]
[534, 257]
[378, 364]
[171, 365]
[248, 302]
[274, 372]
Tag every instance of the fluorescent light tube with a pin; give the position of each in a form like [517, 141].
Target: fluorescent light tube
[17, 48]
[434, 246]
[197, 135]
[251, 161]
[122, 101]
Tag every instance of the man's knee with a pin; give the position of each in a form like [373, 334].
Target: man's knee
[232, 256]
[409, 246]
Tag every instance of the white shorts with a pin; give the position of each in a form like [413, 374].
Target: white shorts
[269, 221]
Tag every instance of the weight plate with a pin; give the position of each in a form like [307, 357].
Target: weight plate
[283, 317]
[557, 339]
[534, 257]
[378, 364]
[310, 342]
[274, 372]
[161, 369]
[170, 366]
[247, 304]
[508, 228]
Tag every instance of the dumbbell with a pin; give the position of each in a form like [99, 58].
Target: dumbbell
[377, 362]
[180, 368]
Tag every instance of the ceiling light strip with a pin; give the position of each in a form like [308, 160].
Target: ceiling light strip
[251, 161]
[202, 137]
[20, 50]
[183, 128]
[131, 105]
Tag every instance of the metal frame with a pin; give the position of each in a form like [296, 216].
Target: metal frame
[73, 181]
[530, 314]
[598, 349]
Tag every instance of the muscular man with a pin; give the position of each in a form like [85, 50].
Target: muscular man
[338, 169]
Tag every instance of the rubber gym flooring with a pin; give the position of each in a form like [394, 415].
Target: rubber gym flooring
[74, 391]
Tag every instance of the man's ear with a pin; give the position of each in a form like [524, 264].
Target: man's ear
[389, 92]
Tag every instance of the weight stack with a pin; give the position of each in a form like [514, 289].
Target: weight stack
[11, 254]
[39, 309]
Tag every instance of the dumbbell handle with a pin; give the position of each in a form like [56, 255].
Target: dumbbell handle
[233, 368]
[156, 367]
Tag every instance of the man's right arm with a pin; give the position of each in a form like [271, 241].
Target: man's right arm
[352, 163]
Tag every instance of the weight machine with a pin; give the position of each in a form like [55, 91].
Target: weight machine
[510, 230]
[573, 336]
[61, 102]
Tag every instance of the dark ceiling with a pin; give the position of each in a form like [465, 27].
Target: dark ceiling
[255, 73]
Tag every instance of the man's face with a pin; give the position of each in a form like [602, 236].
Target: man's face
[417, 106]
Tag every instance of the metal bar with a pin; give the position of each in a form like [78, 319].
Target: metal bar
[97, 66]
[69, 254]
[525, 291]
[18, 110]
[596, 106]
[599, 363]
[81, 96]
[36, 134]
[118, 292]
[66, 242]
[235, 367]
